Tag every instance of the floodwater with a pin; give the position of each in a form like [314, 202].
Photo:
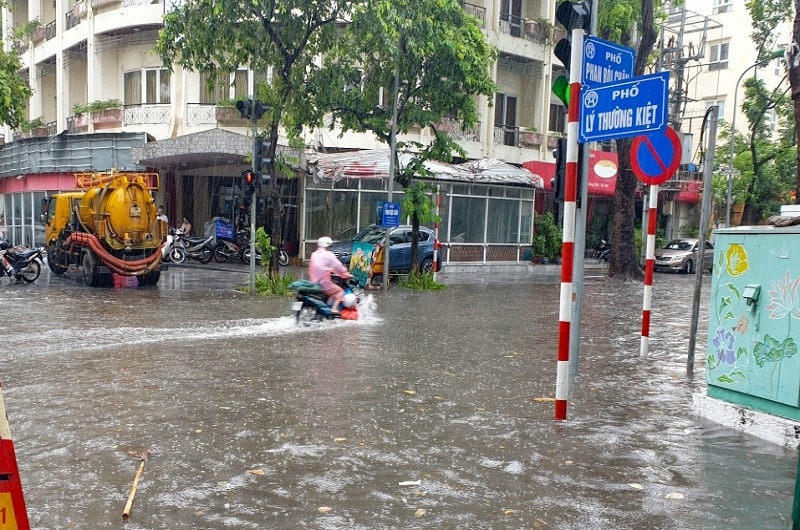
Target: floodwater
[433, 411]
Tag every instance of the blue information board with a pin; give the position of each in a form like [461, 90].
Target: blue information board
[605, 62]
[391, 214]
[628, 108]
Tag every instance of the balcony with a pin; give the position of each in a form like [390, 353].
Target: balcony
[476, 11]
[148, 114]
[531, 139]
[506, 135]
[511, 25]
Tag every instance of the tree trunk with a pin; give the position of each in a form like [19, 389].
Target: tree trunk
[624, 262]
[793, 59]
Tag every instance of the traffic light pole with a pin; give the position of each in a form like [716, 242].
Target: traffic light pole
[253, 200]
[568, 242]
[580, 234]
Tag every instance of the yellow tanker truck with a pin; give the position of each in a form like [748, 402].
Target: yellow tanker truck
[108, 227]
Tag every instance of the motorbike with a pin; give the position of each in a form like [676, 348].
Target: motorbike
[172, 250]
[312, 304]
[20, 262]
[198, 248]
[602, 250]
[229, 250]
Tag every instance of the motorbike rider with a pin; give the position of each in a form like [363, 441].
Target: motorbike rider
[322, 264]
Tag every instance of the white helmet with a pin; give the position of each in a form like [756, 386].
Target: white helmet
[324, 242]
[349, 300]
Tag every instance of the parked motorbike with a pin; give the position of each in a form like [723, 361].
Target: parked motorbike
[21, 262]
[172, 250]
[227, 250]
[602, 250]
[198, 248]
[312, 304]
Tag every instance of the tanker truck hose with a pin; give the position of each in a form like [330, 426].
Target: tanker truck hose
[78, 218]
[120, 266]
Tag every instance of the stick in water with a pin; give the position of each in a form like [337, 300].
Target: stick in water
[127, 511]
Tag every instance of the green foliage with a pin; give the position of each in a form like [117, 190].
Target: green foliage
[439, 52]
[547, 237]
[96, 106]
[423, 282]
[14, 90]
[23, 31]
[264, 244]
[271, 285]
[27, 126]
[277, 285]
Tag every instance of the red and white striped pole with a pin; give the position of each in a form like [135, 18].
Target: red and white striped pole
[13, 515]
[649, 265]
[568, 242]
[437, 205]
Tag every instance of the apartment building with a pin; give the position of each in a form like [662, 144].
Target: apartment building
[102, 100]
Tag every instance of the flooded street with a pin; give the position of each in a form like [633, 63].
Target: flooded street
[433, 411]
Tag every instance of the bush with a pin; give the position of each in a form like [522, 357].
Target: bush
[423, 282]
[547, 238]
[268, 285]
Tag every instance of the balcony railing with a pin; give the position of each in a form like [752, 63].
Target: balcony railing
[201, 114]
[475, 11]
[72, 20]
[50, 30]
[148, 114]
[511, 25]
[506, 135]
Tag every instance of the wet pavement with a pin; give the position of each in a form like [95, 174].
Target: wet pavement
[434, 410]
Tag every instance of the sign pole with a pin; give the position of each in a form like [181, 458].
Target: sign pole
[649, 265]
[568, 241]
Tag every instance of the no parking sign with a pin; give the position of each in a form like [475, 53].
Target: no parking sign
[655, 157]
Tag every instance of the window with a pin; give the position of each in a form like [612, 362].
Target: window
[505, 119]
[148, 86]
[558, 118]
[719, 56]
[722, 6]
[720, 103]
[225, 86]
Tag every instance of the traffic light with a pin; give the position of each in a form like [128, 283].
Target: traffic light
[571, 15]
[248, 108]
[261, 158]
[559, 179]
[249, 181]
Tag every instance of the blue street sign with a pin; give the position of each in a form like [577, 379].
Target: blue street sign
[624, 109]
[605, 62]
[391, 214]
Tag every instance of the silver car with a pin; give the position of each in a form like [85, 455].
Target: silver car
[680, 255]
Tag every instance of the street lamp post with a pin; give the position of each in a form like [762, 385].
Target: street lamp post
[774, 55]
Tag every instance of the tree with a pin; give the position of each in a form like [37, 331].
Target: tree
[614, 23]
[438, 58]
[793, 60]
[281, 37]
[14, 90]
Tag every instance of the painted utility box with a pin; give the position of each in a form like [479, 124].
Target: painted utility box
[754, 319]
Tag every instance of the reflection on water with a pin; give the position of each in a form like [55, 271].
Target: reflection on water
[433, 411]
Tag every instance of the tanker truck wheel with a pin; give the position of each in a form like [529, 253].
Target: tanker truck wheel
[90, 276]
[51, 260]
[149, 278]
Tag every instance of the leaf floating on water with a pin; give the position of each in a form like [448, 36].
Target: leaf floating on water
[324, 509]
[258, 472]
[410, 483]
[539, 523]
[544, 400]
[410, 392]
[422, 512]
[340, 439]
[568, 462]
[508, 512]
[636, 486]
[674, 495]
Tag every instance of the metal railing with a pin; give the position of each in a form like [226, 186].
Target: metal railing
[506, 135]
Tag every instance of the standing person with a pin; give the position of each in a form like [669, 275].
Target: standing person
[161, 215]
[186, 226]
[322, 264]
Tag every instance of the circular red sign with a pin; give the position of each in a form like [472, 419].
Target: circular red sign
[655, 157]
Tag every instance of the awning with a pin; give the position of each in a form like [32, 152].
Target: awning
[603, 169]
[375, 164]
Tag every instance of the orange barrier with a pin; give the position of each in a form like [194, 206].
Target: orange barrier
[13, 515]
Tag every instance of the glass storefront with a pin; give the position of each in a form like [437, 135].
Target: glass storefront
[22, 217]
